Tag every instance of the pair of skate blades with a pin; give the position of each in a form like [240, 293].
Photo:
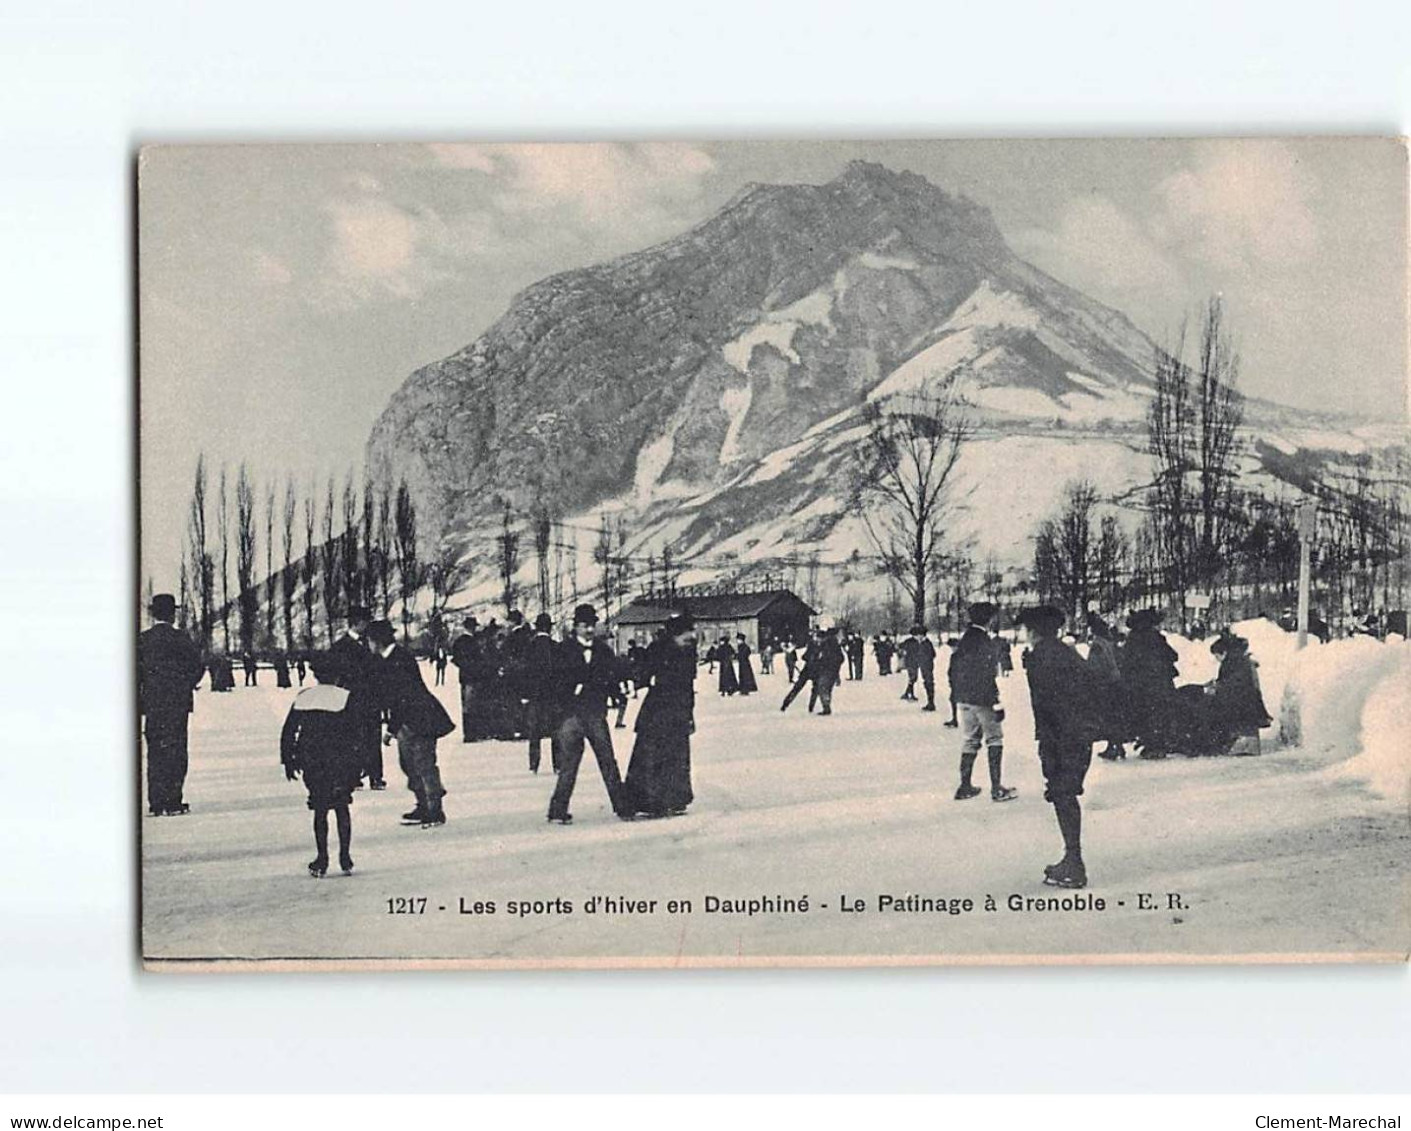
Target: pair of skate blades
[170, 811]
[424, 819]
[1066, 874]
[1003, 793]
[318, 868]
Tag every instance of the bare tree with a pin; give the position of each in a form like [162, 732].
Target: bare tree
[368, 594]
[288, 579]
[310, 567]
[330, 563]
[271, 581]
[409, 570]
[183, 608]
[543, 539]
[602, 557]
[1219, 414]
[446, 574]
[223, 531]
[247, 599]
[507, 557]
[384, 555]
[202, 565]
[902, 483]
[1169, 440]
[350, 556]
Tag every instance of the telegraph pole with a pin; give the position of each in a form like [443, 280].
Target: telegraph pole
[1307, 521]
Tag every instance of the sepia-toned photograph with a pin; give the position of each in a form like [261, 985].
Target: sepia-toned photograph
[773, 553]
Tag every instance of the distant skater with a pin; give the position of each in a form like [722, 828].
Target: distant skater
[745, 677]
[318, 743]
[729, 685]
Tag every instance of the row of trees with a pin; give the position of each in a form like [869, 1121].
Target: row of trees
[299, 560]
[1205, 533]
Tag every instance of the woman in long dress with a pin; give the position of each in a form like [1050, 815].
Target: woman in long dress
[726, 657]
[748, 684]
[659, 774]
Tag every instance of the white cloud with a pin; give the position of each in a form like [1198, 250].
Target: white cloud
[1102, 244]
[598, 180]
[1240, 205]
[374, 245]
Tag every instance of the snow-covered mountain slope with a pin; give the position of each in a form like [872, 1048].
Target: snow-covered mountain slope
[710, 390]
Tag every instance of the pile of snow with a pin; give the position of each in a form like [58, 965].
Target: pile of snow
[1382, 761]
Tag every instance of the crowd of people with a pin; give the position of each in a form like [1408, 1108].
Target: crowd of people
[527, 683]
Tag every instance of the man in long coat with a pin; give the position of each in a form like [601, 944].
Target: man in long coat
[415, 718]
[466, 655]
[1066, 721]
[353, 666]
[538, 687]
[168, 669]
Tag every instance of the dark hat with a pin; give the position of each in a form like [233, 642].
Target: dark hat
[326, 668]
[359, 613]
[1227, 641]
[515, 616]
[918, 630]
[1041, 618]
[163, 607]
[982, 612]
[1144, 618]
[543, 623]
[471, 622]
[381, 633]
[585, 614]
[679, 623]
[1099, 627]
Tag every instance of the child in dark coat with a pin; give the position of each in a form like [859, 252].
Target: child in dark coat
[318, 743]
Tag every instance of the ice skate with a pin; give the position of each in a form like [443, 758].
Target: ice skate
[318, 868]
[966, 792]
[1004, 793]
[433, 820]
[565, 819]
[345, 862]
[1067, 874]
[1113, 752]
[415, 817]
[929, 707]
[379, 785]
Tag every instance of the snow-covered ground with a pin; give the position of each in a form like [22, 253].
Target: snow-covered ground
[1299, 852]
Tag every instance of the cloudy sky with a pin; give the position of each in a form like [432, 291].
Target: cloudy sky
[285, 292]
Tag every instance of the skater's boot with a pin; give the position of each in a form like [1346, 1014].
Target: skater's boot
[318, 867]
[967, 789]
[998, 790]
[414, 817]
[346, 863]
[1069, 873]
[1113, 752]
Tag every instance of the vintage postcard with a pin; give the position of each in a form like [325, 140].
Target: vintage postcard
[773, 553]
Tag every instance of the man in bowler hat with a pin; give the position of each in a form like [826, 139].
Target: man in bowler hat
[415, 718]
[353, 665]
[585, 678]
[168, 669]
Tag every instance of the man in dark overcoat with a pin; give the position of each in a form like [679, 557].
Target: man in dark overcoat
[353, 665]
[415, 718]
[466, 654]
[168, 669]
[539, 689]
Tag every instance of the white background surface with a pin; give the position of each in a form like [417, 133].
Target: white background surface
[79, 91]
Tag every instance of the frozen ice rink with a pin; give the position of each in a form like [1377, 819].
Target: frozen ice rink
[1300, 851]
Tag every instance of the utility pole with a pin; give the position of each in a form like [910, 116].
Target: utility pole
[1307, 521]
